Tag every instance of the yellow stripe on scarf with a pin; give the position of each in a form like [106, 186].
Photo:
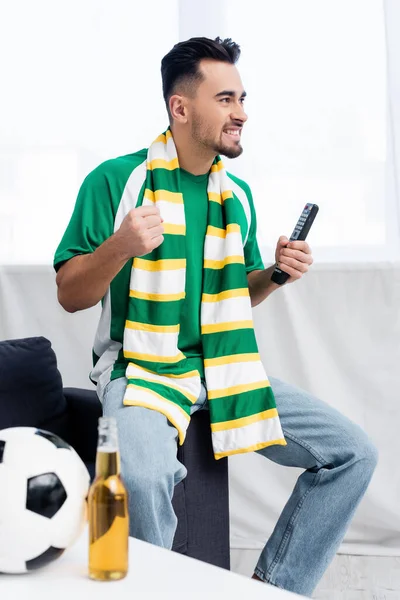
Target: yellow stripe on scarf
[159, 163]
[220, 264]
[220, 198]
[164, 137]
[254, 448]
[174, 229]
[229, 326]
[154, 357]
[156, 297]
[234, 424]
[237, 389]
[163, 195]
[187, 375]
[167, 384]
[218, 167]
[153, 328]
[166, 264]
[231, 358]
[154, 393]
[225, 295]
[222, 233]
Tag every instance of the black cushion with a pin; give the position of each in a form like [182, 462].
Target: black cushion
[181, 534]
[206, 488]
[31, 390]
[84, 410]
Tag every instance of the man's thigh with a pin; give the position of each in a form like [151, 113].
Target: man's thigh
[316, 433]
[147, 439]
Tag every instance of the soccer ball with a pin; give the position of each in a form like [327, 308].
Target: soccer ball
[43, 489]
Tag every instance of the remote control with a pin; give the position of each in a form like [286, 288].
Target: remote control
[299, 233]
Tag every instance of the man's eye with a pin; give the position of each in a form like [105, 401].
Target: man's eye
[225, 99]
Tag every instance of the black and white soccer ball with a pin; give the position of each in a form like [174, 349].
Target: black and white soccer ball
[43, 490]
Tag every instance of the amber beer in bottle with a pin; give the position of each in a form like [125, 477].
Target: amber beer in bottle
[108, 509]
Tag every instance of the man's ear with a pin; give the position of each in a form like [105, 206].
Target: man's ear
[178, 108]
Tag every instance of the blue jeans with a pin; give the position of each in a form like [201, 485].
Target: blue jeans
[338, 457]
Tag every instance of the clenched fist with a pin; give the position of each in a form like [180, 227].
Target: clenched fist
[141, 231]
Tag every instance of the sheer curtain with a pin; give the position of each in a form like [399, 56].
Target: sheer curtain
[80, 84]
[315, 73]
[392, 25]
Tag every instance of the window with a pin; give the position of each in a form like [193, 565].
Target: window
[80, 85]
[315, 73]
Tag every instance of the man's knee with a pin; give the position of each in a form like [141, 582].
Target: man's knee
[372, 454]
[153, 478]
[366, 451]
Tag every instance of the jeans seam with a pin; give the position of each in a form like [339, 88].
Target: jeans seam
[306, 446]
[264, 577]
[289, 528]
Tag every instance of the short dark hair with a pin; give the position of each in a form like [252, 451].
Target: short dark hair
[181, 64]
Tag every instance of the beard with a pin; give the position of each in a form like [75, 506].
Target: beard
[204, 136]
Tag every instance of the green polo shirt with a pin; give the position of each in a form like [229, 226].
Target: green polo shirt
[99, 209]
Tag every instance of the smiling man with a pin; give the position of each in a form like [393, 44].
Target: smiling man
[165, 238]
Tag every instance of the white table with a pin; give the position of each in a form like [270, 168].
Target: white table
[153, 573]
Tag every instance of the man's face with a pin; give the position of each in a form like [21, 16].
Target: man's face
[216, 115]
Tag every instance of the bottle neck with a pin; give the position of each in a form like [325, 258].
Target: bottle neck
[107, 457]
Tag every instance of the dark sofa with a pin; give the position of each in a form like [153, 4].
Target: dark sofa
[32, 395]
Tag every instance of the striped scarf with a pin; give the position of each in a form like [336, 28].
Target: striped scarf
[242, 407]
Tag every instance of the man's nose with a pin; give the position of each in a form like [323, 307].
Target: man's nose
[238, 114]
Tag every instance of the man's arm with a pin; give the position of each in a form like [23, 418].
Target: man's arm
[292, 257]
[260, 285]
[83, 280]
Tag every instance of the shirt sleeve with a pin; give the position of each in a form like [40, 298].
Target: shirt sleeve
[252, 254]
[92, 220]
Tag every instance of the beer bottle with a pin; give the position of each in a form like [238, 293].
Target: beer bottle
[108, 509]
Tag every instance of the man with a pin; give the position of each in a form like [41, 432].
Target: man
[166, 239]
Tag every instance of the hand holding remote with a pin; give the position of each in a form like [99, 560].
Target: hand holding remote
[293, 256]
